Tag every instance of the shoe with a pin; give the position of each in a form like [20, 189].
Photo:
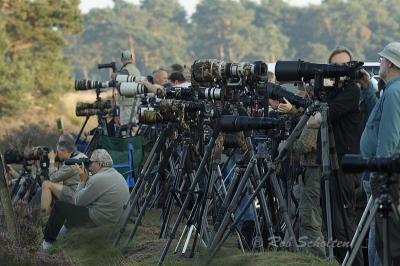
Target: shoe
[62, 232]
[247, 231]
[46, 245]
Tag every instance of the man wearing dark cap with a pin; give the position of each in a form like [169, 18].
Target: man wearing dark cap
[125, 103]
[381, 136]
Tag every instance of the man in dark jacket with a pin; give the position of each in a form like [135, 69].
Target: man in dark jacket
[346, 120]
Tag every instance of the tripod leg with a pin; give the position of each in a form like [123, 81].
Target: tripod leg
[233, 204]
[326, 178]
[158, 150]
[364, 231]
[199, 175]
[142, 173]
[152, 189]
[296, 132]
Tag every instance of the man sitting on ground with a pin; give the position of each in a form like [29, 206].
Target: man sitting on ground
[98, 199]
[66, 174]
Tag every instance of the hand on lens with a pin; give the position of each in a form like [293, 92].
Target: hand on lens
[364, 79]
[83, 172]
[285, 107]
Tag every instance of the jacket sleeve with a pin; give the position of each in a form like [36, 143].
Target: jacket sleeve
[343, 104]
[368, 99]
[65, 172]
[86, 194]
[389, 128]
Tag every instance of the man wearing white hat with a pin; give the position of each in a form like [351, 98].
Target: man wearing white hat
[125, 103]
[381, 136]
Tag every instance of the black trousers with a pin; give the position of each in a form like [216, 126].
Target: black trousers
[67, 214]
[347, 186]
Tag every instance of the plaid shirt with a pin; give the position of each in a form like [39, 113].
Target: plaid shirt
[306, 145]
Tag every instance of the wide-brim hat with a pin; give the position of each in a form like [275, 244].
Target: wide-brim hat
[392, 53]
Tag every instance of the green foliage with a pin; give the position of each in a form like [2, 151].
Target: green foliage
[34, 72]
[39, 38]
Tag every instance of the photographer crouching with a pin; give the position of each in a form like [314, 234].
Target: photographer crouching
[98, 199]
[67, 174]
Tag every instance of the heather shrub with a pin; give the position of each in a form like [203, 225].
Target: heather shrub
[28, 252]
[28, 136]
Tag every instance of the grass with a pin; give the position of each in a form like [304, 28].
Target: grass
[89, 246]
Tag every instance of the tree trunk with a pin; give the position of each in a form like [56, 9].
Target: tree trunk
[132, 48]
[7, 206]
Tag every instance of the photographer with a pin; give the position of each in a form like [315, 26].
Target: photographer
[178, 79]
[346, 119]
[12, 176]
[66, 174]
[125, 103]
[310, 214]
[381, 136]
[98, 199]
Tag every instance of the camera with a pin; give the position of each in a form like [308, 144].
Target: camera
[233, 123]
[298, 70]
[36, 153]
[355, 163]
[210, 70]
[277, 92]
[72, 161]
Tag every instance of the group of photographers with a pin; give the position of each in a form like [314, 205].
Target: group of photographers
[380, 137]
[100, 198]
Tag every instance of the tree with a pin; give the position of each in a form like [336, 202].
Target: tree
[155, 32]
[36, 73]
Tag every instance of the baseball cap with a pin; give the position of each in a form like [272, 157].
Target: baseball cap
[126, 55]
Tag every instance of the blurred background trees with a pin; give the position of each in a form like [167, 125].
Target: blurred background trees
[46, 44]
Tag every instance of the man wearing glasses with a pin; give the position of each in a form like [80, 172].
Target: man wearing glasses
[381, 136]
[67, 174]
[98, 199]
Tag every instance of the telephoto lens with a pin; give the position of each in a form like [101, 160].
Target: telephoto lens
[355, 163]
[209, 70]
[127, 78]
[300, 70]
[277, 92]
[72, 161]
[233, 123]
[86, 84]
[95, 105]
[90, 112]
[151, 117]
[209, 93]
[130, 89]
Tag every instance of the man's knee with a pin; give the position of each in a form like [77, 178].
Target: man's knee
[46, 184]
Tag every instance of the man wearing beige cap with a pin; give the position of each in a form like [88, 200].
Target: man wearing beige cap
[381, 136]
[125, 103]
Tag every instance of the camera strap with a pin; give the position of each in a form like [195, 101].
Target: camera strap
[73, 154]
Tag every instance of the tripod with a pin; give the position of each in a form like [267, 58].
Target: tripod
[384, 204]
[142, 179]
[275, 166]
